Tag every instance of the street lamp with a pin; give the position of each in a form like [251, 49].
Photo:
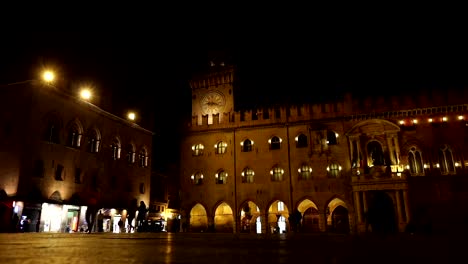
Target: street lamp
[85, 94]
[48, 76]
[131, 116]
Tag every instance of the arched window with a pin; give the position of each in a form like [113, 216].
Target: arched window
[246, 145]
[197, 178]
[143, 158]
[305, 172]
[220, 147]
[332, 137]
[116, 149]
[275, 142]
[221, 177]
[52, 133]
[374, 150]
[94, 141]
[277, 173]
[301, 141]
[447, 165]
[59, 172]
[248, 175]
[74, 136]
[130, 153]
[197, 150]
[416, 164]
[334, 170]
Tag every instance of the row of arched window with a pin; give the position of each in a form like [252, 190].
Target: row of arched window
[446, 162]
[274, 143]
[276, 174]
[75, 137]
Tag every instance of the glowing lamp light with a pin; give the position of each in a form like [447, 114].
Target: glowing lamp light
[402, 122]
[444, 118]
[48, 76]
[85, 94]
[430, 120]
[415, 121]
[131, 116]
[460, 117]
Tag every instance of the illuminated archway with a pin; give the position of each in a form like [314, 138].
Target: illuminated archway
[250, 218]
[310, 216]
[224, 219]
[278, 214]
[337, 216]
[198, 219]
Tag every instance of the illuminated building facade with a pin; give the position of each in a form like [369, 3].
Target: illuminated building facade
[65, 163]
[354, 165]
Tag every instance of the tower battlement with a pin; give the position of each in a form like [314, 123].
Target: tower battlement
[224, 75]
[390, 107]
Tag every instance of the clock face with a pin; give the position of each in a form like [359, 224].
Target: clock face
[212, 103]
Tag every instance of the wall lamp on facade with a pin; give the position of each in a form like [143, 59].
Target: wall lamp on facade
[48, 76]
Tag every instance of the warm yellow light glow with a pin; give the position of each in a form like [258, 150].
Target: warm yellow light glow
[460, 117]
[131, 116]
[415, 121]
[444, 118]
[48, 76]
[402, 122]
[430, 120]
[85, 94]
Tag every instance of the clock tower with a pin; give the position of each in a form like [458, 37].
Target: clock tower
[212, 92]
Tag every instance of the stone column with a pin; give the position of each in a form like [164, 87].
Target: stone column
[357, 207]
[390, 149]
[397, 149]
[399, 211]
[364, 202]
[406, 203]
[322, 221]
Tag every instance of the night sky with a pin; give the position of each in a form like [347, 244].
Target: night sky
[150, 72]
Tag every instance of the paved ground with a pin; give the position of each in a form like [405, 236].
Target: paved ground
[227, 248]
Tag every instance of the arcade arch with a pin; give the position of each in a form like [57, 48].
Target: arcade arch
[198, 218]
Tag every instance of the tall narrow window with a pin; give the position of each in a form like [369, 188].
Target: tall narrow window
[74, 137]
[221, 147]
[131, 154]
[197, 150]
[374, 150]
[116, 149]
[93, 141]
[280, 206]
[275, 142]
[59, 172]
[301, 141]
[221, 177]
[447, 165]
[415, 162]
[246, 145]
[305, 172]
[197, 178]
[332, 137]
[143, 158]
[334, 170]
[248, 175]
[277, 173]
